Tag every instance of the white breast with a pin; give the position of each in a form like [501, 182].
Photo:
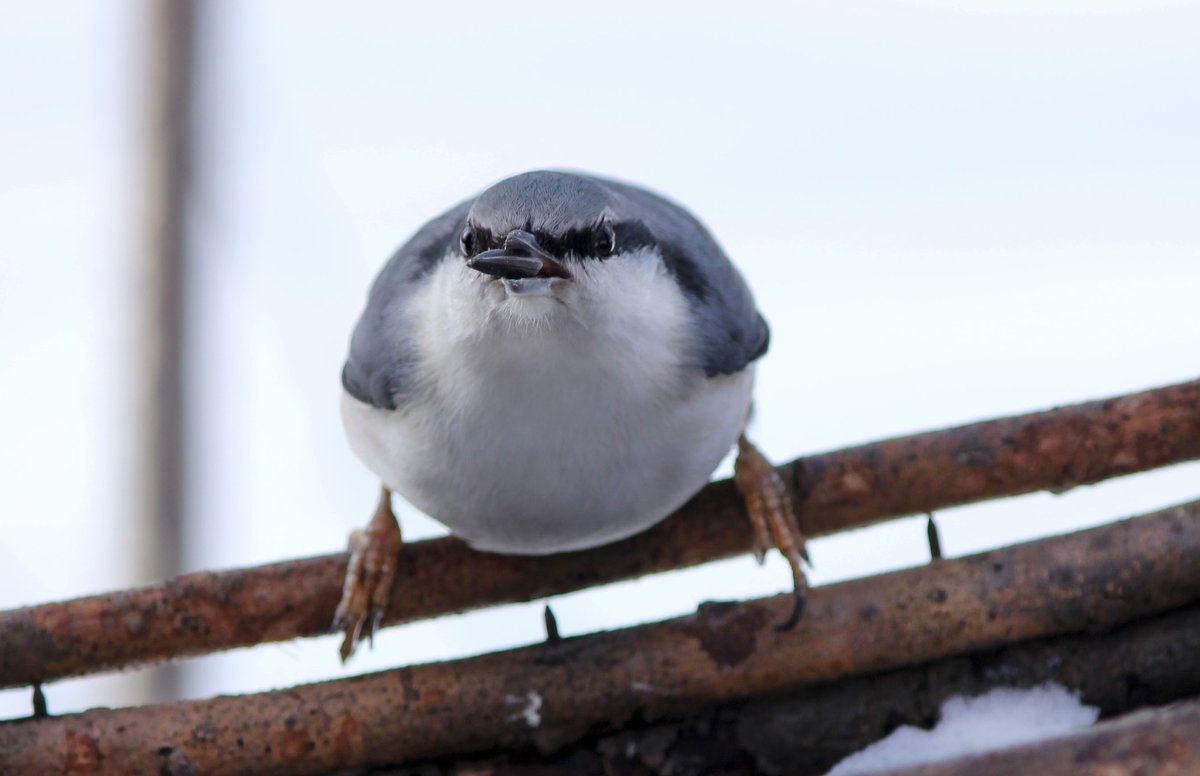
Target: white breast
[550, 424]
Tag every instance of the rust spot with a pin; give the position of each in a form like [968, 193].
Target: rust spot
[411, 693]
[345, 741]
[295, 743]
[82, 754]
[433, 696]
[726, 631]
[1063, 576]
[1160, 749]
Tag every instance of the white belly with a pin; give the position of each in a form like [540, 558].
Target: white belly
[557, 476]
[554, 438]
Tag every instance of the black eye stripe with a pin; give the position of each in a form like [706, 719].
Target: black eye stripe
[604, 240]
[632, 235]
[583, 243]
[474, 239]
[580, 243]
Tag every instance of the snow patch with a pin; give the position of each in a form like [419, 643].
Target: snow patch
[1000, 718]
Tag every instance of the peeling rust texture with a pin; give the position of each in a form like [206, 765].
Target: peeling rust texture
[725, 631]
[806, 731]
[1163, 741]
[1054, 450]
[202, 613]
[1115, 574]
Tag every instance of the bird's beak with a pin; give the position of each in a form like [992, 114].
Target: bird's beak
[521, 257]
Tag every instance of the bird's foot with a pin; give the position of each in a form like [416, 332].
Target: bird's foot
[773, 518]
[369, 574]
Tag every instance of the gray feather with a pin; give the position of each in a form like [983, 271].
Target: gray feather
[731, 332]
[378, 370]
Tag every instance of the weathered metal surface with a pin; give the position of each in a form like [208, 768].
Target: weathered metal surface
[806, 731]
[206, 612]
[1153, 742]
[551, 694]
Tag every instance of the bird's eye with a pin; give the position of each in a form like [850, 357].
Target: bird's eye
[604, 240]
[468, 242]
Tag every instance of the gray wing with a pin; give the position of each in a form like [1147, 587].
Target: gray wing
[732, 333]
[378, 369]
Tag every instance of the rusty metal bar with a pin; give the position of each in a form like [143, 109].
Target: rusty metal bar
[806, 731]
[206, 612]
[1164, 742]
[552, 694]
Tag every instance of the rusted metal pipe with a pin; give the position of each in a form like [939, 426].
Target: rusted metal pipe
[806, 731]
[552, 694]
[210, 611]
[1163, 742]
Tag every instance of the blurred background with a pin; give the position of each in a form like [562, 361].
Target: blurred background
[948, 212]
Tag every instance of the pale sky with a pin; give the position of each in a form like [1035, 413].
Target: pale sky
[947, 211]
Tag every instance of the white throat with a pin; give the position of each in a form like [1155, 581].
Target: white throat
[628, 298]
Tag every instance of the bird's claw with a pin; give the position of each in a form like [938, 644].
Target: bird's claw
[369, 575]
[773, 519]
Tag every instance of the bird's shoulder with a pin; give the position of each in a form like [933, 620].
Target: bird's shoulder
[379, 368]
[731, 331]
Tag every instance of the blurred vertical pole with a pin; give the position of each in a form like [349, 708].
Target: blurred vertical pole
[163, 320]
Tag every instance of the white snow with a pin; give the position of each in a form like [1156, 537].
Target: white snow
[1000, 718]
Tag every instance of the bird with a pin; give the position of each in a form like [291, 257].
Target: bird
[557, 363]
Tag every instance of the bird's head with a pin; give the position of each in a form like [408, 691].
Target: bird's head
[553, 235]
